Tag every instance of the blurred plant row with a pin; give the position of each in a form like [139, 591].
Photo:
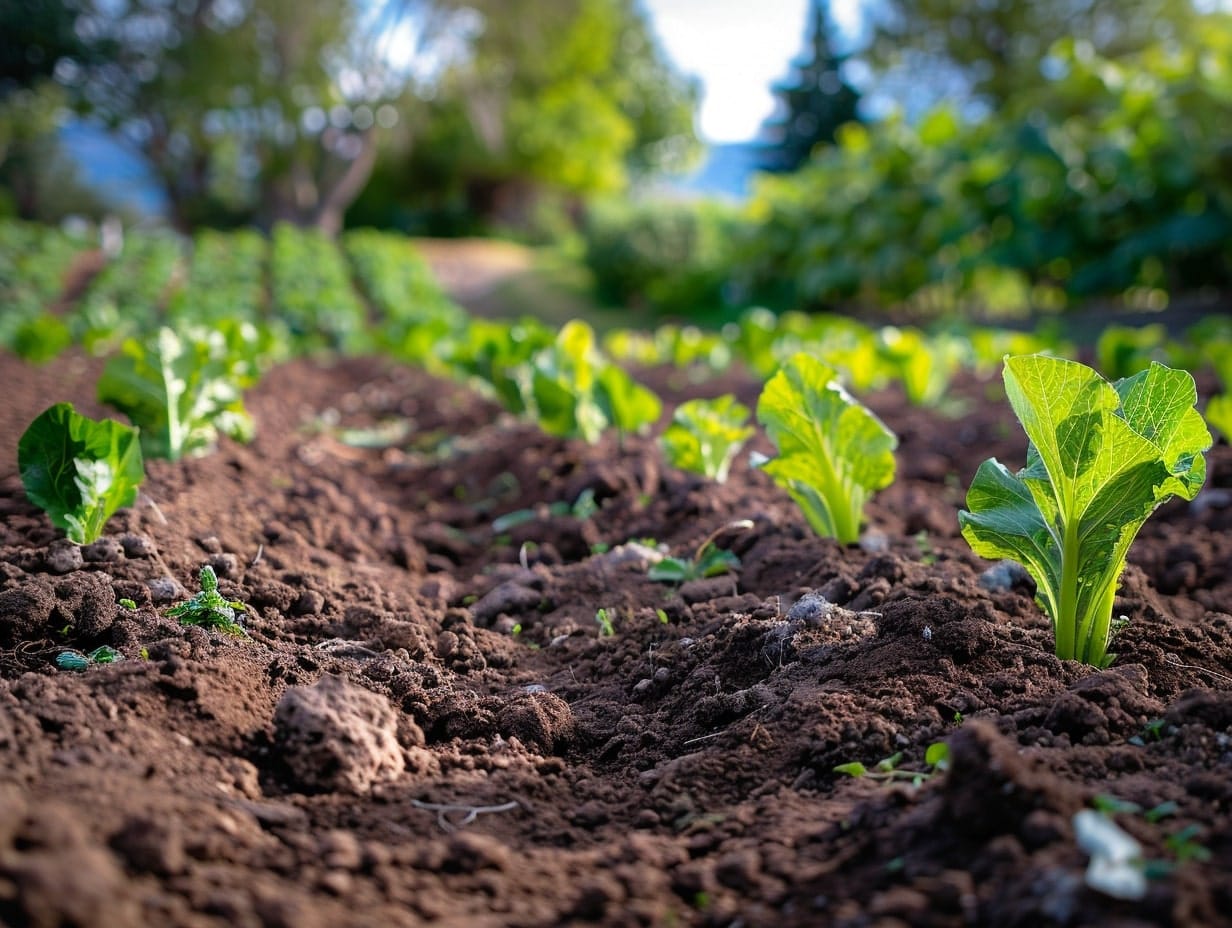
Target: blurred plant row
[229, 305]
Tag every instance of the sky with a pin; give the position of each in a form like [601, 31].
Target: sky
[738, 48]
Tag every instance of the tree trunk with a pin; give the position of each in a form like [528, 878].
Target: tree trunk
[333, 206]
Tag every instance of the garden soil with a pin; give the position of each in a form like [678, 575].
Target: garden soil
[427, 725]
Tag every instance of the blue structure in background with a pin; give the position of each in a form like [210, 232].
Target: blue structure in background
[120, 175]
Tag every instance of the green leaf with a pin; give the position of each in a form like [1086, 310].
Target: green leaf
[706, 435]
[184, 391]
[563, 385]
[1102, 457]
[1219, 414]
[855, 769]
[938, 755]
[671, 570]
[627, 404]
[79, 470]
[833, 452]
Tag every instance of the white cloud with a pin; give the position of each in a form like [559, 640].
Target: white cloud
[737, 48]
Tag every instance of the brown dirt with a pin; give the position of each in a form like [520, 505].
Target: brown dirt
[673, 773]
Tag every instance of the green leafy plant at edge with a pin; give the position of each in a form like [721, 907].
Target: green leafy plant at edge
[76, 661]
[833, 452]
[1102, 457]
[706, 435]
[936, 757]
[210, 608]
[79, 470]
[185, 389]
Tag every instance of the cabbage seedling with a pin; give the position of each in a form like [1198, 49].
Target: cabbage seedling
[708, 561]
[1102, 457]
[706, 435]
[209, 608]
[833, 452]
[79, 470]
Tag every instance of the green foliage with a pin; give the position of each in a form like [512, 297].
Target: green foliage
[706, 435]
[1219, 414]
[1101, 458]
[76, 661]
[126, 298]
[185, 389]
[34, 262]
[414, 315]
[833, 452]
[578, 393]
[923, 365]
[1122, 350]
[226, 279]
[936, 758]
[210, 608]
[79, 470]
[1109, 179]
[312, 294]
[672, 257]
[603, 618]
[709, 561]
[558, 97]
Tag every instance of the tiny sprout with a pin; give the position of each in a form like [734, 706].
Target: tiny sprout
[708, 560]
[129, 605]
[209, 608]
[662, 614]
[75, 660]
[604, 620]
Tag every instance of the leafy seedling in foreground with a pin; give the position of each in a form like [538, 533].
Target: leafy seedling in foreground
[708, 560]
[79, 470]
[706, 435]
[833, 452]
[209, 608]
[1102, 457]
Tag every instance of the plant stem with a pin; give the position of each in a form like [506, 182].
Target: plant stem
[1067, 609]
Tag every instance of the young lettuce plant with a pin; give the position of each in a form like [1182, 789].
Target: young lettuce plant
[833, 452]
[79, 470]
[1102, 457]
[184, 390]
[706, 435]
[577, 392]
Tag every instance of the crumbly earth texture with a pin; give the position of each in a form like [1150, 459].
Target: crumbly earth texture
[426, 724]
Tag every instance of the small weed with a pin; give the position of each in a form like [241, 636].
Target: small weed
[209, 608]
[1151, 731]
[936, 757]
[129, 605]
[604, 620]
[708, 560]
[663, 619]
[928, 556]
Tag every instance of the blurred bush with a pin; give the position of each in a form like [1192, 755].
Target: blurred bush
[1113, 178]
[666, 256]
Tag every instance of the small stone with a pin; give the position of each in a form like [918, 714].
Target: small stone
[225, 564]
[165, 590]
[310, 602]
[810, 609]
[1005, 576]
[136, 545]
[509, 598]
[641, 687]
[103, 551]
[63, 557]
[210, 544]
[340, 850]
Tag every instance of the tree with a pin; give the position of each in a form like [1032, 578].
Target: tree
[813, 102]
[995, 49]
[563, 97]
[265, 109]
